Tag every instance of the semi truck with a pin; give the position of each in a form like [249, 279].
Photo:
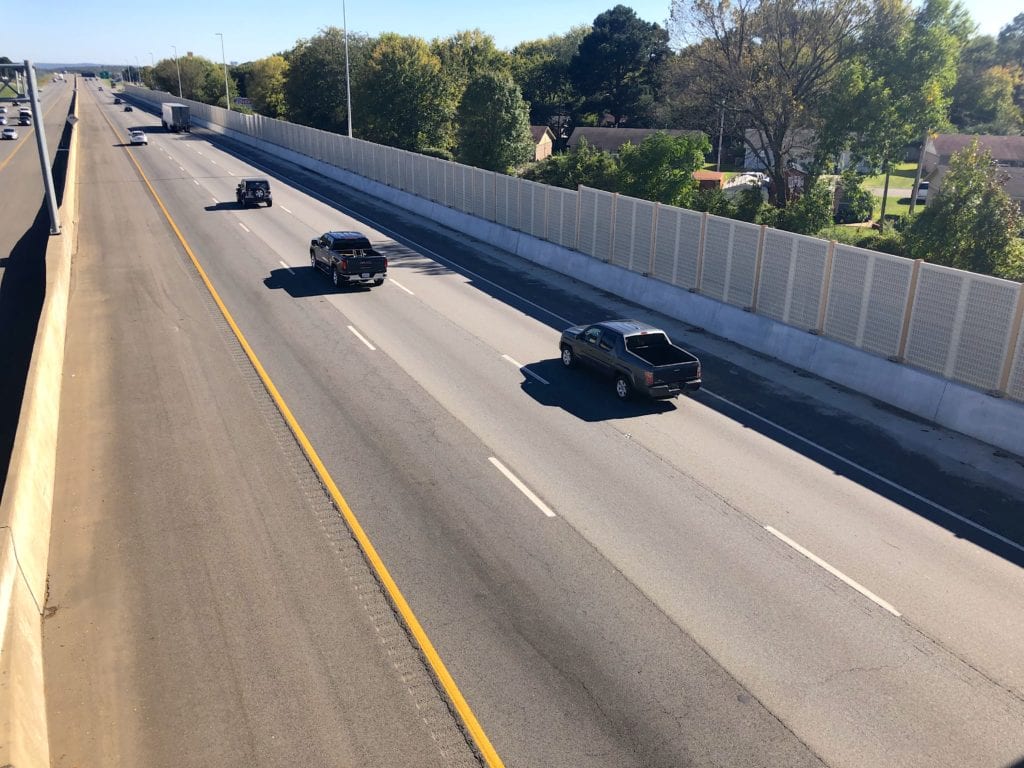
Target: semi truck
[175, 117]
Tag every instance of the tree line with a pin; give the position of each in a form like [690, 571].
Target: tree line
[868, 77]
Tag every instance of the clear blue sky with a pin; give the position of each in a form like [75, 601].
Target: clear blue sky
[115, 31]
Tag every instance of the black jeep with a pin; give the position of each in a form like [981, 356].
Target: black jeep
[253, 192]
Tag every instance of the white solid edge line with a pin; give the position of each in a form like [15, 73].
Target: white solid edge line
[423, 249]
[392, 280]
[362, 338]
[869, 473]
[243, 226]
[522, 487]
[526, 370]
[834, 571]
[286, 267]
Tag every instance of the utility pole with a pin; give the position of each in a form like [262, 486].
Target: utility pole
[223, 58]
[348, 86]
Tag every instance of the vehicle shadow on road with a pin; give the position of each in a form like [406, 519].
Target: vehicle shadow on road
[224, 205]
[586, 395]
[303, 282]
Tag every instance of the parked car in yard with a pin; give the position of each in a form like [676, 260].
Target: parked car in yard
[639, 357]
[922, 192]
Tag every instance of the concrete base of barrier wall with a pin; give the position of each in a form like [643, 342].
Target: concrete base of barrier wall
[992, 420]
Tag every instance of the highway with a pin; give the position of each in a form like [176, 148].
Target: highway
[772, 572]
[24, 230]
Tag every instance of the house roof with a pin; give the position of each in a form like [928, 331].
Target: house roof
[1005, 148]
[538, 132]
[709, 176]
[1014, 185]
[610, 139]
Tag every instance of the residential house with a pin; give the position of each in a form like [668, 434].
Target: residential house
[543, 141]
[798, 150]
[612, 139]
[1007, 151]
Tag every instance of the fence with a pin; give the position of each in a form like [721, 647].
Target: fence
[959, 325]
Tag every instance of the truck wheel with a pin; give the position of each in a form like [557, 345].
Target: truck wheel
[270, 203]
[335, 277]
[568, 358]
[379, 282]
[622, 387]
[312, 260]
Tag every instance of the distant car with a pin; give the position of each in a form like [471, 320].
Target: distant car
[9, 133]
[922, 192]
[128, 108]
[138, 137]
[117, 99]
[3, 119]
[101, 87]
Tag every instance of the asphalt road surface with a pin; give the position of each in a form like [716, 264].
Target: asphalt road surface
[774, 572]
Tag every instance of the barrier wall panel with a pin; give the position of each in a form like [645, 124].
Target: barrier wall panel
[677, 246]
[792, 273]
[776, 274]
[487, 194]
[633, 233]
[990, 305]
[596, 225]
[1015, 386]
[561, 204]
[506, 201]
[462, 189]
[717, 250]
[437, 172]
[934, 318]
[532, 199]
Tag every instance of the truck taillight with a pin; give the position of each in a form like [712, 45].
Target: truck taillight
[648, 378]
[385, 263]
[344, 263]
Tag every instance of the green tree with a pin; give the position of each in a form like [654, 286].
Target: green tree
[900, 80]
[402, 95]
[541, 68]
[660, 168]
[266, 82]
[464, 56]
[970, 222]
[808, 214]
[585, 165]
[494, 124]
[314, 89]
[616, 68]
[201, 79]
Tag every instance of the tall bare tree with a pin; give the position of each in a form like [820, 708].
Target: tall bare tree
[770, 64]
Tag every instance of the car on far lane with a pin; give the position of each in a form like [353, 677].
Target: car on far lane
[9, 133]
[3, 119]
[117, 99]
[138, 137]
[128, 108]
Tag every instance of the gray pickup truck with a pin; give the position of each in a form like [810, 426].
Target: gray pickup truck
[638, 356]
[348, 258]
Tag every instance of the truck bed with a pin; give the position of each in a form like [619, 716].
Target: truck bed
[656, 349]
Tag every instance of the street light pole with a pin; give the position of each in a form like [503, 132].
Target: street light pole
[348, 87]
[223, 58]
[152, 61]
[138, 73]
[177, 68]
[721, 130]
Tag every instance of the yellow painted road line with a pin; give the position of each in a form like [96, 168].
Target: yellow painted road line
[437, 666]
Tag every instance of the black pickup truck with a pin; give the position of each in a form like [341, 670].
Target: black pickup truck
[640, 357]
[348, 258]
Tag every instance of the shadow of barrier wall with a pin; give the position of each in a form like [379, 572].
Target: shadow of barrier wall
[27, 503]
[943, 344]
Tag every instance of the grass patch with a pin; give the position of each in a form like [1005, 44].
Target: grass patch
[902, 176]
